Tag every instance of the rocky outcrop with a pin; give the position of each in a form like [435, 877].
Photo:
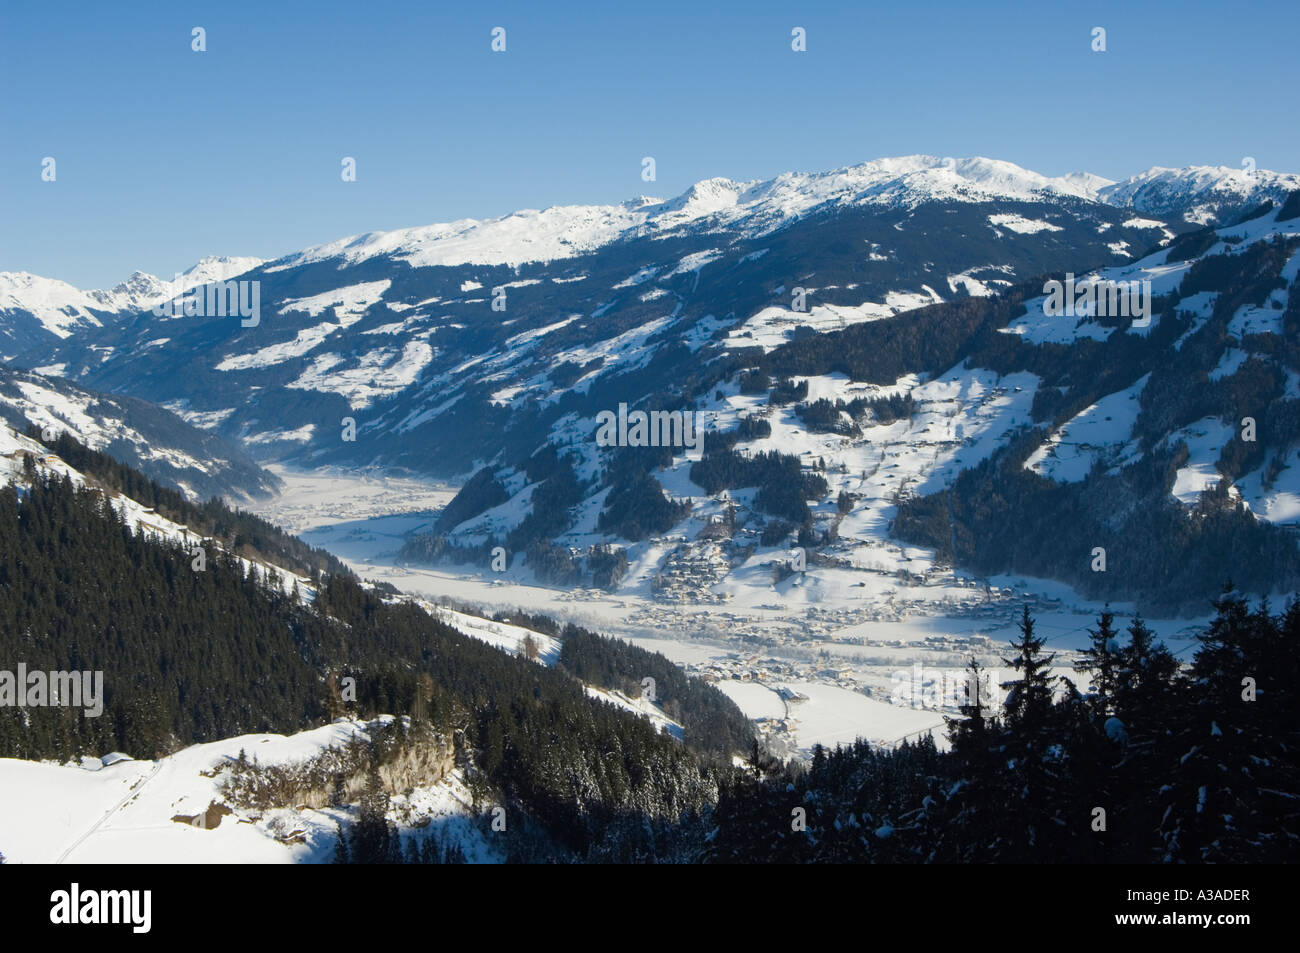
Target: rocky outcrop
[403, 760]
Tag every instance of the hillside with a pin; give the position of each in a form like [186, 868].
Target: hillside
[196, 650]
[1055, 435]
[155, 441]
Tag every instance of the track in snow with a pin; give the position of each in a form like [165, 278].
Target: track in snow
[135, 789]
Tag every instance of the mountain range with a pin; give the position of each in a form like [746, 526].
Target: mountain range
[868, 347]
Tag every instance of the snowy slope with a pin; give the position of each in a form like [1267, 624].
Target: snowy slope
[607, 288]
[397, 333]
[511, 639]
[752, 209]
[40, 315]
[137, 517]
[151, 439]
[744, 209]
[123, 811]
[956, 421]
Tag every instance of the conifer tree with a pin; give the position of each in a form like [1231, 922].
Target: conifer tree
[1099, 661]
[373, 841]
[1035, 754]
[976, 799]
[1029, 699]
[1234, 775]
[970, 733]
[1144, 677]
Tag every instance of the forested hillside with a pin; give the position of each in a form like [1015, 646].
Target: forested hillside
[237, 531]
[192, 655]
[1186, 762]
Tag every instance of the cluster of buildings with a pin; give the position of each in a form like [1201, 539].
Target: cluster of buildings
[690, 571]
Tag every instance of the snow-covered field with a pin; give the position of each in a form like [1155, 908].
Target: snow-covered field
[320, 498]
[99, 812]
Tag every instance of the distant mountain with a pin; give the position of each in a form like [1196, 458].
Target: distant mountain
[399, 331]
[857, 342]
[34, 309]
[991, 431]
[738, 210]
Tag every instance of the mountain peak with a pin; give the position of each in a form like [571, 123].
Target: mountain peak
[1201, 194]
[754, 208]
[59, 306]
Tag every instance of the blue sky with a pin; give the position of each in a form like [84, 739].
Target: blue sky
[165, 155]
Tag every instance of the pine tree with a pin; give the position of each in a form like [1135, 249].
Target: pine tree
[1233, 793]
[1029, 701]
[973, 810]
[372, 837]
[340, 848]
[1144, 677]
[970, 733]
[1035, 753]
[1099, 660]
[1217, 748]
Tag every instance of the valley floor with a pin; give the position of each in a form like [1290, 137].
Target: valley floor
[813, 660]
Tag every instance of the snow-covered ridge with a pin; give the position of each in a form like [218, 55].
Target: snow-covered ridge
[60, 307]
[758, 207]
[199, 464]
[561, 231]
[753, 208]
[137, 517]
[748, 209]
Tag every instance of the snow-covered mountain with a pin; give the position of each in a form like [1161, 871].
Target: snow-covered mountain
[403, 326]
[1079, 431]
[495, 345]
[739, 209]
[1204, 195]
[1200, 194]
[135, 432]
[894, 416]
[30, 304]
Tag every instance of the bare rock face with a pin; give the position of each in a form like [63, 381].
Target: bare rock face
[423, 762]
[418, 765]
[339, 775]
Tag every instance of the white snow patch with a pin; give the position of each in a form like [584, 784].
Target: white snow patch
[1022, 225]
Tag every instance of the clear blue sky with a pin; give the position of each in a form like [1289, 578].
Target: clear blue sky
[165, 155]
